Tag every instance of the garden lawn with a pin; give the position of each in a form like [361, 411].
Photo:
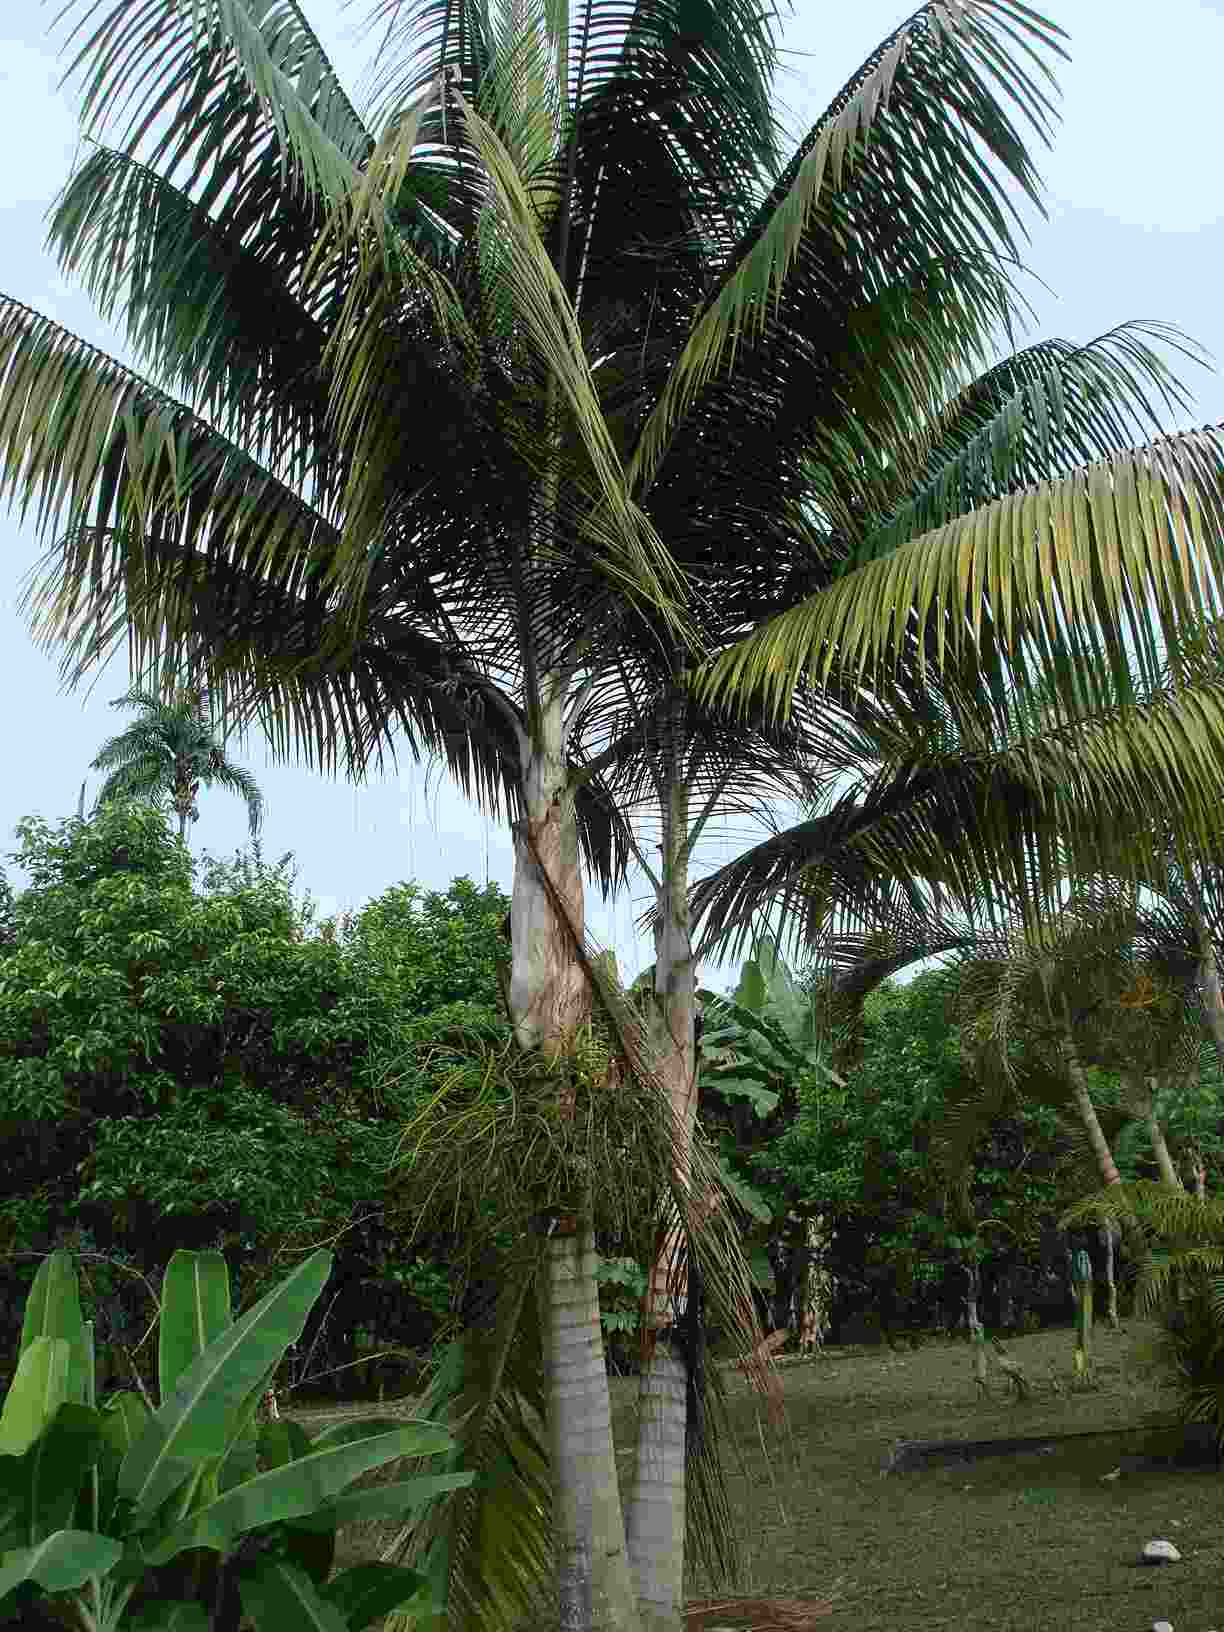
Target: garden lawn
[1023, 1543]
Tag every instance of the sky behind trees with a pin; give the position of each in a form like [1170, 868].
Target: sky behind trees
[1135, 229]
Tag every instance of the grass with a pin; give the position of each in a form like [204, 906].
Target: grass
[1024, 1543]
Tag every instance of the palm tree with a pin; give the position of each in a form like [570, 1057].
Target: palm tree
[568, 233]
[287, 529]
[1100, 978]
[167, 753]
[1029, 418]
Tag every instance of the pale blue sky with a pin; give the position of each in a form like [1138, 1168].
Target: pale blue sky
[1135, 196]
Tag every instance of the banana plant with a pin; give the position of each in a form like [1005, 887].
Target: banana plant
[762, 1037]
[756, 1047]
[192, 1516]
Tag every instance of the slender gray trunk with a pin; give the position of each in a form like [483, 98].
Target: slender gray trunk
[815, 1288]
[1209, 982]
[656, 1514]
[1108, 1238]
[1128, 1224]
[1142, 1103]
[549, 1002]
[1160, 1150]
[1097, 1141]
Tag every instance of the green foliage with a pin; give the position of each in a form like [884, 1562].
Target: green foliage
[191, 1066]
[622, 1285]
[1181, 1281]
[859, 1152]
[762, 1051]
[141, 1512]
[439, 948]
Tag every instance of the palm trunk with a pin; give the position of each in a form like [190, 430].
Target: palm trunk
[656, 1516]
[1129, 1227]
[595, 1591]
[973, 1322]
[1107, 1236]
[549, 1001]
[1198, 1174]
[1160, 1150]
[1097, 1141]
[1142, 1103]
[1209, 982]
[815, 1288]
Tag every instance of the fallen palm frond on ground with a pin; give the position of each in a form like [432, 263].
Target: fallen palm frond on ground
[755, 1614]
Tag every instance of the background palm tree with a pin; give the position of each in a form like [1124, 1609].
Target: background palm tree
[166, 753]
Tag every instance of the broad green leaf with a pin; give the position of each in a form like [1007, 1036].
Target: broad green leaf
[195, 1424]
[56, 1464]
[762, 1269]
[242, 1458]
[123, 1419]
[35, 1394]
[276, 1596]
[311, 1549]
[385, 1501]
[368, 1591]
[282, 1441]
[749, 1199]
[171, 1617]
[91, 1375]
[347, 1433]
[64, 1560]
[762, 1100]
[293, 1491]
[195, 1310]
[53, 1309]
[750, 993]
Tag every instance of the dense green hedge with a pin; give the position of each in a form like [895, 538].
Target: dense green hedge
[187, 1062]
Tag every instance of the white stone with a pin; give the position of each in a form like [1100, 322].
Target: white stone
[1159, 1552]
[1162, 1626]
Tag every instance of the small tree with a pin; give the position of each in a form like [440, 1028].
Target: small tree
[166, 753]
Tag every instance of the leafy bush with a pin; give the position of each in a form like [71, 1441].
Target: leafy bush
[859, 1154]
[192, 1067]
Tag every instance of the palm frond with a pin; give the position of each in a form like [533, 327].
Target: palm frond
[1185, 1233]
[146, 779]
[916, 118]
[487, 1550]
[199, 53]
[239, 781]
[1036, 414]
[118, 470]
[1067, 579]
[978, 821]
[210, 316]
[625, 547]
